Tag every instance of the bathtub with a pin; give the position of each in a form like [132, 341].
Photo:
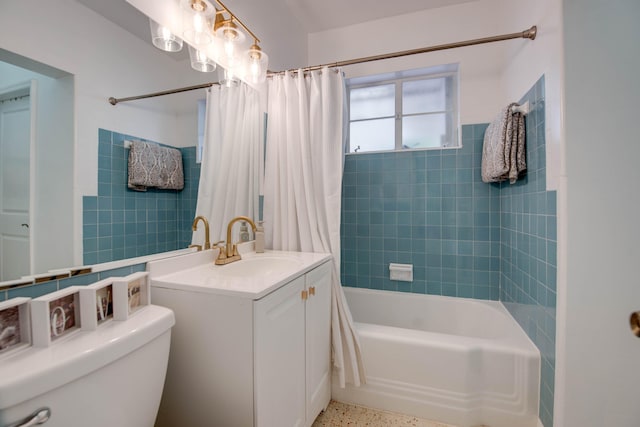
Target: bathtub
[455, 360]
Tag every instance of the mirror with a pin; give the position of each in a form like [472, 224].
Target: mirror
[36, 175]
[69, 61]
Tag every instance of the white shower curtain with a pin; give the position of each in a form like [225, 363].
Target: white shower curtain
[302, 188]
[229, 175]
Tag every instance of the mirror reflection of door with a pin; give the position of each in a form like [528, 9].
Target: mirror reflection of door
[14, 186]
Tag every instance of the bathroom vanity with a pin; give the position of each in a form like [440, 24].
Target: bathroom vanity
[251, 344]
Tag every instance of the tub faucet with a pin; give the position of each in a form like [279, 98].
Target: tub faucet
[230, 253]
[194, 227]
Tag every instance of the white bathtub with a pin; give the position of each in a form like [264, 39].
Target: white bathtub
[455, 360]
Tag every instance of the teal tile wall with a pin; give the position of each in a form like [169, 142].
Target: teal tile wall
[464, 238]
[427, 208]
[528, 247]
[121, 223]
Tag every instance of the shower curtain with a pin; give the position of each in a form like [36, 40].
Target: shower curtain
[303, 184]
[229, 175]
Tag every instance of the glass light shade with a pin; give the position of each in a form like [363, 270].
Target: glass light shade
[197, 21]
[200, 61]
[230, 79]
[231, 38]
[164, 39]
[256, 63]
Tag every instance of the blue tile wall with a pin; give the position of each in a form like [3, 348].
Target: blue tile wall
[121, 223]
[427, 208]
[528, 250]
[465, 238]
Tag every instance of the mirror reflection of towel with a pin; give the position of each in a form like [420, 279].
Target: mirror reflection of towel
[151, 165]
[503, 150]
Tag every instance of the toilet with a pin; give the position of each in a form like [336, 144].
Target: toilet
[112, 376]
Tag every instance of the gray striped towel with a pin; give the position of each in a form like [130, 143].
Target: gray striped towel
[503, 150]
[151, 165]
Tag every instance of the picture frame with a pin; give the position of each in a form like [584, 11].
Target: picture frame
[97, 303]
[131, 293]
[56, 315]
[15, 325]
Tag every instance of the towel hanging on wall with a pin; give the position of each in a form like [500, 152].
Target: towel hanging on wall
[503, 150]
[151, 165]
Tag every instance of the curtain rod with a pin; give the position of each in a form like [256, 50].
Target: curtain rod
[526, 34]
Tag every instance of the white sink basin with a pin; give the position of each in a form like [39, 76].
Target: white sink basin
[253, 276]
[263, 266]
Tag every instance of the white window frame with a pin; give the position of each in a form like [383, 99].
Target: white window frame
[398, 78]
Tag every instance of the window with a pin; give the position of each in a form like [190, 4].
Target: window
[415, 109]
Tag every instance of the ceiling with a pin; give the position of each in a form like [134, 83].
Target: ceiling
[323, 15]
[278, 21]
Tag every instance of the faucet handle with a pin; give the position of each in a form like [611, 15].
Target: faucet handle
[222, 250]
[198, 247]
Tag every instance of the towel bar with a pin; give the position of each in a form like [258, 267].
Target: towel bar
[524, 109]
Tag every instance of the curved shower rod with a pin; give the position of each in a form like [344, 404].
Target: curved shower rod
[526, 34]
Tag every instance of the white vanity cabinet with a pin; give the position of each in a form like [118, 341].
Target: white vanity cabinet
[292, 351]
[240, 358]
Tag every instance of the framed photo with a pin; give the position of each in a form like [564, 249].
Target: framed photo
[15, 327]
[96, 301]
[131, 293]
[55, 315]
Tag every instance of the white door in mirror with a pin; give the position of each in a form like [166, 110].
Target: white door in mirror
[15, 124]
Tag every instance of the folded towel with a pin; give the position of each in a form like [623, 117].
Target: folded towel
[503, 150]
[151, 165]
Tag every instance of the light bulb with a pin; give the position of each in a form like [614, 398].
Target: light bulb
[254, 68]
[229, 49]
[198, 22]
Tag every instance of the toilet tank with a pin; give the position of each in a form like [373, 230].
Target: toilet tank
[112, 376]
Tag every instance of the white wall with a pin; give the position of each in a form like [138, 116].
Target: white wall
[529, 61]
[482, 91]
[105, 61]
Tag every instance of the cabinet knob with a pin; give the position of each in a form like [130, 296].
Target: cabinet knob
[312, 290]
[304, 295]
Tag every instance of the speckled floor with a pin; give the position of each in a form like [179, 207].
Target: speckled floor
[343, 415]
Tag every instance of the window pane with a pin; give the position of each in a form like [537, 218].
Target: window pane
[425, 131]
[371, 102]
[372, 135]
[424, 96]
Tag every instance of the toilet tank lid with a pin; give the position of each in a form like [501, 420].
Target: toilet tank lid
[33, 371]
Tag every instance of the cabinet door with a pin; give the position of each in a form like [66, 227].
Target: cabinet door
[279, 359]
[318, 340]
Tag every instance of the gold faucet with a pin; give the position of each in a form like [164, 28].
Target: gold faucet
[230, 253]
[194, 227]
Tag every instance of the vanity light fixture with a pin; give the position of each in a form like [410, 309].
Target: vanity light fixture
[214, 35]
